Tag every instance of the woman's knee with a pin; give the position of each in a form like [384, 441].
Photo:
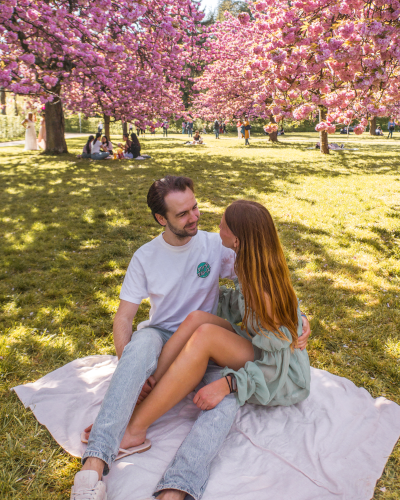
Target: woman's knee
[196, 317]
[201, 336]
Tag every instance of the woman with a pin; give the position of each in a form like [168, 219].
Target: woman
[263, 364]
[197, 138]
[42, 133]
[98, 152]
[126, 147]
[107, 145]
[135, 147]
[242, 130]
[30, 134]
[87, 148]
[239, 129]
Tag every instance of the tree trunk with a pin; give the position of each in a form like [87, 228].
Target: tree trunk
[15, 105]
[124, 127]
[3, 101]
[323, 134]
[273, 136]
[372, 126]
[107, 126]
[55, 126]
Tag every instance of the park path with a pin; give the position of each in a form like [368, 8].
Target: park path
[19, 143]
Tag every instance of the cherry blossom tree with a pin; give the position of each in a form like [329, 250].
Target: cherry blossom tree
[335, 58]
[51, 49]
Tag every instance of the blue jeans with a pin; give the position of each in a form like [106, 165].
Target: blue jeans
[216, 134]
[99, 156]
[390, 133]
[190, 132]
[189, 470]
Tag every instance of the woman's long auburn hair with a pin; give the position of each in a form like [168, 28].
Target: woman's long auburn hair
[262, 269]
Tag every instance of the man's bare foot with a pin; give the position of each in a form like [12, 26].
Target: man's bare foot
[130, 439]
[171, 495]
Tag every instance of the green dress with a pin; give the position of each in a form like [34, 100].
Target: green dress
[277, 376]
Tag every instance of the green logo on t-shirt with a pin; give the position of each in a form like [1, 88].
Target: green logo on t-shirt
[203, 270]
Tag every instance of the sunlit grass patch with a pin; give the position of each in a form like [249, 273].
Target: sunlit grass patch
[69, 228]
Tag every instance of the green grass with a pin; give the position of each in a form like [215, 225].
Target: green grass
[69, 228]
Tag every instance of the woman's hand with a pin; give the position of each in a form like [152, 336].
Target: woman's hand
[302, 341]
[210, 395]
[147, 388]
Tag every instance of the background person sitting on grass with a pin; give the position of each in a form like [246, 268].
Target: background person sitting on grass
[107, 144]
[87, 148]
[134, 148]
[197, 138]
[98, 152]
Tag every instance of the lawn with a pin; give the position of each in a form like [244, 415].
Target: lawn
[69, 228]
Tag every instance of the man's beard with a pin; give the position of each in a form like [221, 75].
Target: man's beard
[182, 233]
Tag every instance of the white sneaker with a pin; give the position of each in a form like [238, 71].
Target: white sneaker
[88, 487]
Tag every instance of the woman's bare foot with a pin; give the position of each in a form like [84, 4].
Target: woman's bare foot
[131, 437]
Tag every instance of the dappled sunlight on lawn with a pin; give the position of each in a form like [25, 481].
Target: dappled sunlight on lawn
[69, 228]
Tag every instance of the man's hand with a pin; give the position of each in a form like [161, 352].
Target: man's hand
[302, 341]
[147, 388]
[211, 394]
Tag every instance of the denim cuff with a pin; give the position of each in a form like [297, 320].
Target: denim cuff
[173, 486]
[102, 456]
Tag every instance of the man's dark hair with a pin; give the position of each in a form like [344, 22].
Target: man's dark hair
[161, 188]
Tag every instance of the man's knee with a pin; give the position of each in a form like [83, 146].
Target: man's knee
[146, 342]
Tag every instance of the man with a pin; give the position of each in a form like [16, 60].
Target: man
[190, 128]
[179, 270]
[391, 127]
[100, 128]
[216, 129]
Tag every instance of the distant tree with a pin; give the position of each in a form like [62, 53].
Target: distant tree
[234, 7]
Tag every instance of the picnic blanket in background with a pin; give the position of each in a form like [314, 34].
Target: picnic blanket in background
[333, 446]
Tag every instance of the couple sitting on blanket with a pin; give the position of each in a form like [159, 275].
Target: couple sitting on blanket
[193, 337]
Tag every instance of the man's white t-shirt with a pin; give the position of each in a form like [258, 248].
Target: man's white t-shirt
[178, 279]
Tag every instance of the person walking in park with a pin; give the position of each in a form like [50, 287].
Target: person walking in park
[190, 128]
[181, 263]
[183, 127]
[246, 132]
[100, 128]
[391, 127]
[216, 128]
[165, 126]
[30, 133]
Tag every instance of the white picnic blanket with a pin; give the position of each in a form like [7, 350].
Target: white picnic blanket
[333, 446]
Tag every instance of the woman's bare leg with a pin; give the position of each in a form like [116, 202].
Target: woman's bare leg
[178, 340]
[185, 373]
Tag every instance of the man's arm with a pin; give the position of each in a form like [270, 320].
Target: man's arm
[122, 328]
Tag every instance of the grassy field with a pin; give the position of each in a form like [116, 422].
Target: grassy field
[69, 228]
